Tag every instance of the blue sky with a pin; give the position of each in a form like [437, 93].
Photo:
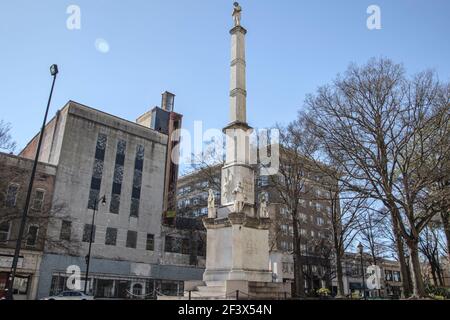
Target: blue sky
[184, 47]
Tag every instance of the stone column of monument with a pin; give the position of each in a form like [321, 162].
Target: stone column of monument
[237, 239]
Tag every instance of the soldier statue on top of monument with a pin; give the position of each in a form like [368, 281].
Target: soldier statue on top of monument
[237, 14]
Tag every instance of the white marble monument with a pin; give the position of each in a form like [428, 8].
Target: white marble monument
[237, 240]
[237, 254]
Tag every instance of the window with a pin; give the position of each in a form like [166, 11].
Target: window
[185, 246]
[66, 230]
[150, 245]
[284, 229]
[137, 181]
[396, 276]
[388, 275]
[320, 221]
[291, 230]
[303, 217]
[11, 195]
[4, 231]
[38, 200]
[264, 181]
[88, 228]
[118, 177]
[97, 171]
[32, 236]
[111, 236]
[131, 239]
[303, 232]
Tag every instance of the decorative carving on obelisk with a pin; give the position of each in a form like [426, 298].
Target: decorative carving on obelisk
[237, 14]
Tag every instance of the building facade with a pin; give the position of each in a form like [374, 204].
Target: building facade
[117, 170]
[15, 175]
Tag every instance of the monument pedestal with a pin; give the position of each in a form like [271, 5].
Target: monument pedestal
[237, 249]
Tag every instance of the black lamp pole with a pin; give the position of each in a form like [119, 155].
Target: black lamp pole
[12, 275]
[88, 257]
[361, 251]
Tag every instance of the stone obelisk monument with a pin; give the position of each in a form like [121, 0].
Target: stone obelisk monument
[237, 254]
[237, 239]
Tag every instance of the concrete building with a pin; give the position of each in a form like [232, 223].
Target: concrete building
[96, 155]
[15, 175]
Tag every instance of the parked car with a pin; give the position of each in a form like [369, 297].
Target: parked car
[70, 295]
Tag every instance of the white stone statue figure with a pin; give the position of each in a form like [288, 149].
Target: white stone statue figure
[237, 14]
[212, 212]
[239, 198]
[263, 209]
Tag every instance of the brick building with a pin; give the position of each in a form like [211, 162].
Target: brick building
[15, 175]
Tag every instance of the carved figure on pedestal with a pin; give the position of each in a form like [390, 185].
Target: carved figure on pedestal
[263, 209]
[239, 198]
[212, 212]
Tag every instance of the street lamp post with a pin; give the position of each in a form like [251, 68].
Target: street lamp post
[361, 251]
[12, 274]
[88, 257]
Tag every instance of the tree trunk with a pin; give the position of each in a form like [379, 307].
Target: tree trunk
[340, 276]
[418, 279]
[299, 282]
[401, 257]
[446, 222]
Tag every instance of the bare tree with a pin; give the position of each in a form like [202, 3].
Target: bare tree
[290, 185]
[6, 141]
[431, 249]
[382, 128]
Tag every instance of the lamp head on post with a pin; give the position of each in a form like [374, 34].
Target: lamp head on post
[54, 70]
[360, 248]
[103, 199]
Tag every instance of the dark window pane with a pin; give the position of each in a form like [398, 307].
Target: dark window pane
[137, 179]
[38, 200]
[93, 198]
[136, 193]
[66, 230]
[95, 183]
[117, 188]
[111, 236]
[150, 242]
[4, 231]
[131, 239]
[11, 195]
[134, 210]
[32, 235]
[115, 203]
[87, 233]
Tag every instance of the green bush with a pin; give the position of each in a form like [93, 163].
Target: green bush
[434, 291]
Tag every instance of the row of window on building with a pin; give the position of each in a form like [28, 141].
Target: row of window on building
[184, 246]
[97, 173]
[31, 236]
[12, 194]
[110, 236]
[288, 267]
[288, 230]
